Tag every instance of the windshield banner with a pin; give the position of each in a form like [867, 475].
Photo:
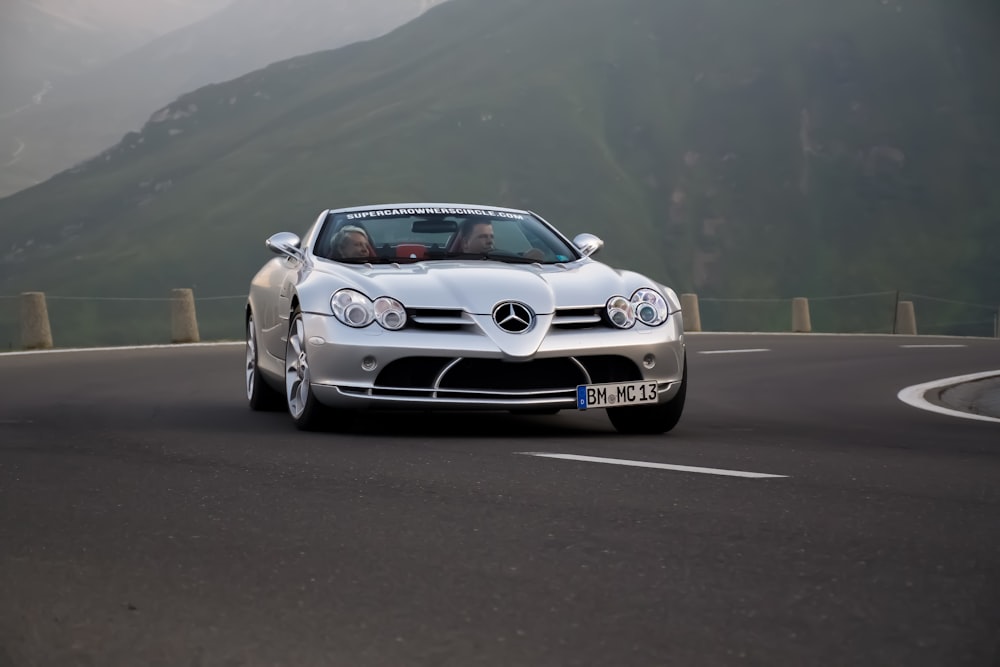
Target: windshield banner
[401, 212]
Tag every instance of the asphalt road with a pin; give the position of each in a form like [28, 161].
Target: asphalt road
[147, 517]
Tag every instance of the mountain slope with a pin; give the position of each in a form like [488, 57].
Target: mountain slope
[90, 111]
[780, 149]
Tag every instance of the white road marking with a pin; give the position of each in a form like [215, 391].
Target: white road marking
[175, 346]
[914, 395]
[919, 346]
[648, 464]
[756, 349]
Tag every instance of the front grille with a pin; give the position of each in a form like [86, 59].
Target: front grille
[470, 379]
[495, 374]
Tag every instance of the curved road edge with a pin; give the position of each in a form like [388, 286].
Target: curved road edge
[975, 396]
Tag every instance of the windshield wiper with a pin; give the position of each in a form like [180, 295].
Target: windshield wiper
[495, 255]
[375, 260]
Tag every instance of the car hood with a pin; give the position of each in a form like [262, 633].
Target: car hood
[477, 286]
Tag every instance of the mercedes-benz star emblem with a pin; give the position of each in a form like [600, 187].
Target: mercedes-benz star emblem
[513, 317]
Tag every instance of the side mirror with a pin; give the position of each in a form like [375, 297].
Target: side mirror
[588, 244]
[285, 243]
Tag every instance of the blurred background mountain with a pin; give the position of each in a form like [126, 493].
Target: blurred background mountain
[45, 39]
[753, 149]
[78, 74]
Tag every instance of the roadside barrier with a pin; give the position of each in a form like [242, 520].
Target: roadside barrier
[801, 322]
[184, 318]
[691, 313]
[906, 319]
[36, 334]
[36, 321]
[116, 321]
[865, 313]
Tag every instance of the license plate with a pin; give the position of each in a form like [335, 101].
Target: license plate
[614, 394]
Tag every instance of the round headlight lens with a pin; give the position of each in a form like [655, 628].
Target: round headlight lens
[620, 312]
[650, 307]
[352, 308]
[390, 313]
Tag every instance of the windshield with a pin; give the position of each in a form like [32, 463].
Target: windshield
[427, 234]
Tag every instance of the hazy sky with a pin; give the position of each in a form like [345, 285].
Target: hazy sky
[110, 64]
[156, 16]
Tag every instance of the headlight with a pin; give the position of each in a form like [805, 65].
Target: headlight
[620, 312]
[389, 313]
[356, 310]
[353, 308]
[650, 307]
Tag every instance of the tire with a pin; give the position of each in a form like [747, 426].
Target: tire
[307, 413]
[651, 419]
[261, 396]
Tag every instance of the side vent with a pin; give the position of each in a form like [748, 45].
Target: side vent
[437, 319]
[577, 318]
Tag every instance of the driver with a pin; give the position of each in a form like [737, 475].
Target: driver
[477, 236]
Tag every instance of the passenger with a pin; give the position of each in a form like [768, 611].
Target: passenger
[351, 243]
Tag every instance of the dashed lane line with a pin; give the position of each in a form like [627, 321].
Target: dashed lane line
[650, 464]
[913, 347]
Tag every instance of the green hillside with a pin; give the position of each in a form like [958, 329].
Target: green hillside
[766, 148]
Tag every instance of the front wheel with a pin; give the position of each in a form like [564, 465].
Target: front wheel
[260, 395]
[651, 419]
[307, 413]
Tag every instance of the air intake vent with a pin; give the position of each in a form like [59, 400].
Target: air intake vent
[539, 374]
[438, 319]
[577, 318]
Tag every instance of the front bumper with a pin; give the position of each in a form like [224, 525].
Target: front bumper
[465, 368]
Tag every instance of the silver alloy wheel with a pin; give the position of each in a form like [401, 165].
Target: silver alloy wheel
[251, 357]
[296, 369]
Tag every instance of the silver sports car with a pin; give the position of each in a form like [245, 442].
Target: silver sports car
[457, 306]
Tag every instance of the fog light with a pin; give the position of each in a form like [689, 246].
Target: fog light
[369, 363]
[649, 361]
